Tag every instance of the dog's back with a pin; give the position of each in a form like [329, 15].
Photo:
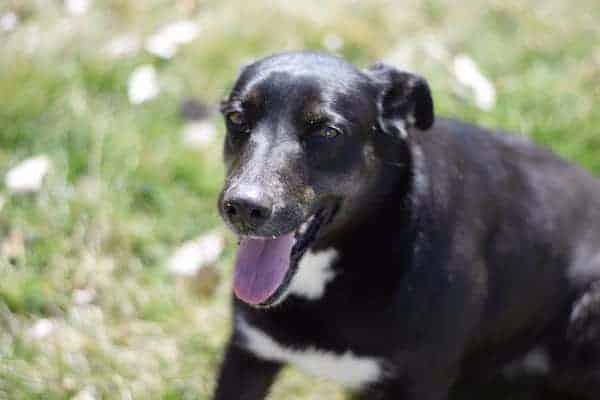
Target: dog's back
[537, 224]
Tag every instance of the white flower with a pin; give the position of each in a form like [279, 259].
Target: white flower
[193, 255]
[9, 21]
[402, 56]
[160, 47]
[28, 176]
[142, 85]
[165, 41]
[77, 7]
[436, 50]
[85, 394]
[122, 46]
[198, 135]
[83, 296]
[41, 328]
[32, 38]
[469, 76]
[13, 247]
[333, 42]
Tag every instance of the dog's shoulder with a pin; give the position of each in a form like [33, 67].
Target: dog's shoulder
[484, 142]
[506, 185]
[458, 151]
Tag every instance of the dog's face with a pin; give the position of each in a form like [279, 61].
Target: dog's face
[302, 137]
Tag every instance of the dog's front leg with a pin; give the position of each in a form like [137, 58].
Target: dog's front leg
[244, 376]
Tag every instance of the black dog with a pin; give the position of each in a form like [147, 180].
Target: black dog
[396, 255]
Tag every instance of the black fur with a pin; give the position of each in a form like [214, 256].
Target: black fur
[460, 248]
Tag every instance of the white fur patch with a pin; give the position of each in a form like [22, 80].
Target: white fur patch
[535, 363]
[313, 274]
[346, 369]
[401, 126]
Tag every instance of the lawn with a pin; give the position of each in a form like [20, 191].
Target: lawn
[90, 307]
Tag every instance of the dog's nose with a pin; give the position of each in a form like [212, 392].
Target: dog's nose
[247, 211]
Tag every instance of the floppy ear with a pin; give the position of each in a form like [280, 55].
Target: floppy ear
[404, 100]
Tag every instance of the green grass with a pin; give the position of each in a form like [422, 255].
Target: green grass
[124, 191]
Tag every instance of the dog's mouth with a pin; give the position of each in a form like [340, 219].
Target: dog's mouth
[265, 266]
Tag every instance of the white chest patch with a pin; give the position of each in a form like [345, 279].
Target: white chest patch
[313, 274]
[346, 369]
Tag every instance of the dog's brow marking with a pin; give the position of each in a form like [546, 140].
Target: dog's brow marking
[346, 369]
[314, 273]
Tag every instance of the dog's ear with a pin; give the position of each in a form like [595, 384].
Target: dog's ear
[404, 99]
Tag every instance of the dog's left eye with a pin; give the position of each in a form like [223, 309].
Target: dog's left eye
[329, 132]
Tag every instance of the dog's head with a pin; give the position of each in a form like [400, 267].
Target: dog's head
[303, 131]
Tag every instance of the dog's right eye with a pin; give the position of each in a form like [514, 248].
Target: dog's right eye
[236, 118]
[329, 132]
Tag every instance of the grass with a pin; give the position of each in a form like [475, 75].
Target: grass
[124, 191]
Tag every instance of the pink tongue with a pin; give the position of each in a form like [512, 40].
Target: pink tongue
[261, 267]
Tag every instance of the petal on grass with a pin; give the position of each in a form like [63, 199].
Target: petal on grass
[160, 47]
[199, 135]
[196, 254]
[77, 7]
[86, 393]
[436, 50]
[122, 46]
[165, 42]
[83, 296]
[8, 21]
[13, 247]
[402, 56]
[42, 328]
[28, 176]
[333, 42]
[142, 85]
[469, 76]
[181, 32]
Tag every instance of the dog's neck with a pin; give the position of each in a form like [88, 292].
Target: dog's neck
[377, 209]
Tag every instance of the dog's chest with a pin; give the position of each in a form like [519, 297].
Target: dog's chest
[315, 272]
[315, 275]
[345, 368]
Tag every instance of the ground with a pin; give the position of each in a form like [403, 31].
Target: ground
[88, 307]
